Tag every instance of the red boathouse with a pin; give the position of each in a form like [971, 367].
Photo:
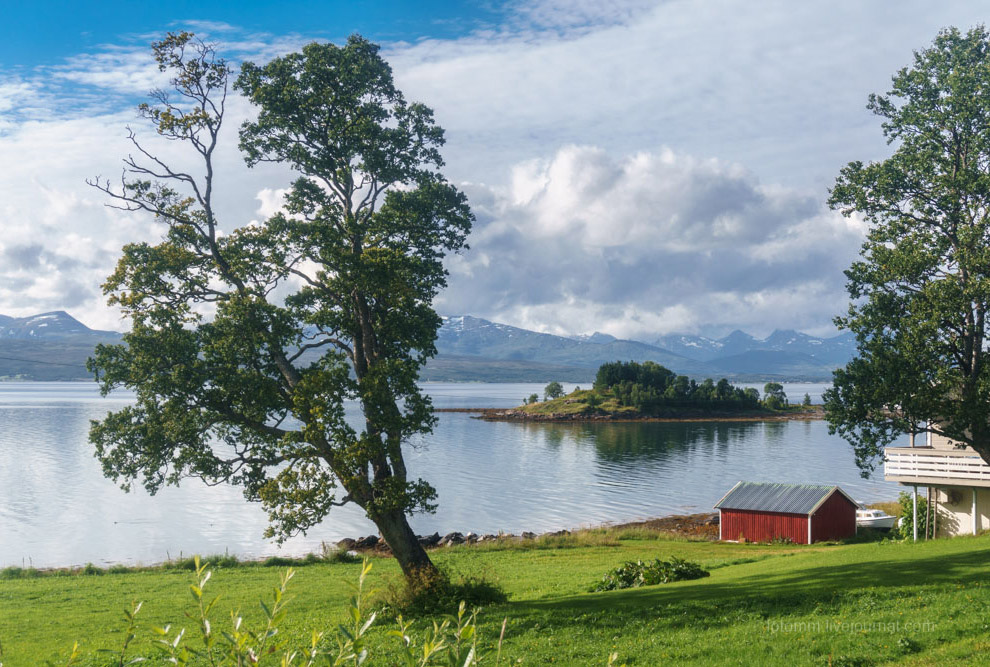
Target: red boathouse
[803, 513]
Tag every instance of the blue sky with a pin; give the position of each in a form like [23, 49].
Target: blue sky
[45, 32]
[637, 167]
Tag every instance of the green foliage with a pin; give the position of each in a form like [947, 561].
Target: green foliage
[650, 573]
[216, 561]
[650, 389]
[14, 572]
[921, 287]
[429, 593]
[453, 642]
[552, 391]
[532, 398]
[807, 401]
[908, 645]
[326, 302]
[905, 524]
[774, 397]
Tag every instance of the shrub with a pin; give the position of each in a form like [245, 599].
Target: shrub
[633, 575]
[330, 554]
[437, 594]
[191, 564]
[14, 572]
[906, 523]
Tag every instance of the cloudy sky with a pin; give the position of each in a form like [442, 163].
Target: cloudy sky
[636, 167]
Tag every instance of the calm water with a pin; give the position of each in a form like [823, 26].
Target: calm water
[57, 509]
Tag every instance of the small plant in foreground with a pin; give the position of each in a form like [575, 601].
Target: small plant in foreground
[635, 574]
[908, 645]
[453, 641]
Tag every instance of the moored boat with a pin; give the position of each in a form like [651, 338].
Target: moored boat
[877, 519]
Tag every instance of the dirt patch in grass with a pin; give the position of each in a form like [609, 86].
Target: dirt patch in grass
[703, 526]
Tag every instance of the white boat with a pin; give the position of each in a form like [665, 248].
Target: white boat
[877, 519]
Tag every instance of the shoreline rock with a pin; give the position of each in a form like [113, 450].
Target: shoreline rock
[704, 525]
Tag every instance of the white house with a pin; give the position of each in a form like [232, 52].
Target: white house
[958, 476]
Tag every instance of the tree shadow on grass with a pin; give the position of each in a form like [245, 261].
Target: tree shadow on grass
[762, 593]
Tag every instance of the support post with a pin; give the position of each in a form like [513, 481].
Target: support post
[935, 514]
[974, 510]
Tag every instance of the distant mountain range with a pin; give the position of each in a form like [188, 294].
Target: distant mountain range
[55, 346]
[784, 355]
[829, 351]
[49, 346]
[475, 337]
[56, 325]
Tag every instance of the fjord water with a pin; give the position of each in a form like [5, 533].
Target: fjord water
[57, 509]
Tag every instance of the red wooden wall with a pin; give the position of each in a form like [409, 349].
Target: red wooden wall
[834, 520]
[764, 526]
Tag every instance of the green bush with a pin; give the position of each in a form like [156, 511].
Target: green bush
[14, 572]
[633, 575]
[906, 522]
[218, 561]
[439, 593]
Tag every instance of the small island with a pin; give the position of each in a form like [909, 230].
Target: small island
[631, 391]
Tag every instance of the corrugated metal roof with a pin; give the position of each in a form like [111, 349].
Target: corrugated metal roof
[769, 497]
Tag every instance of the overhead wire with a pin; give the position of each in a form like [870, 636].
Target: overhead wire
[39, 361]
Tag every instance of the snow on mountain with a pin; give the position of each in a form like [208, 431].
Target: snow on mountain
[597, 337]
[836, 350]
[472, 336]
[46, 326]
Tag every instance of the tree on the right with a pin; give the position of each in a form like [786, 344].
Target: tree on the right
[920, 289]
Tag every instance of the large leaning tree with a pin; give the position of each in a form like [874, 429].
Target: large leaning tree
[249, 342]
[921, 288]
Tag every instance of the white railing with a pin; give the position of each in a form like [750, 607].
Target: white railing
[963, 466]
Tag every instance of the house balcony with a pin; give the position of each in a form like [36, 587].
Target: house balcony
[925, 466]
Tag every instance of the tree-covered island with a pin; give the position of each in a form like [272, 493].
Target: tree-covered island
[631, 390]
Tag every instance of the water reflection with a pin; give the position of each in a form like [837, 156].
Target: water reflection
[56, 508]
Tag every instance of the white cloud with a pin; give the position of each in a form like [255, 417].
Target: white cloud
[779, 86]
[649, 243]
[636, 166]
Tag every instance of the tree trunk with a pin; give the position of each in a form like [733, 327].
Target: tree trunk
[412, 557]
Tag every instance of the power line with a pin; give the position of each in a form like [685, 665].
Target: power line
[38, 361]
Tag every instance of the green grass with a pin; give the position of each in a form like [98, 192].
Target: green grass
[576, 403]
[861, 604]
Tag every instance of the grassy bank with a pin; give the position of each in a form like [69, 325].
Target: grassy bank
[857, 604]
[586, 404]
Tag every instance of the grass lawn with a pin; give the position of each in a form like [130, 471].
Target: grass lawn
[856, 604]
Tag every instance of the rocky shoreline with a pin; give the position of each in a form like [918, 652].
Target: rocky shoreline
[703, 526]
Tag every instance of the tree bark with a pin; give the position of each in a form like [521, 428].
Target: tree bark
[399, 536]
